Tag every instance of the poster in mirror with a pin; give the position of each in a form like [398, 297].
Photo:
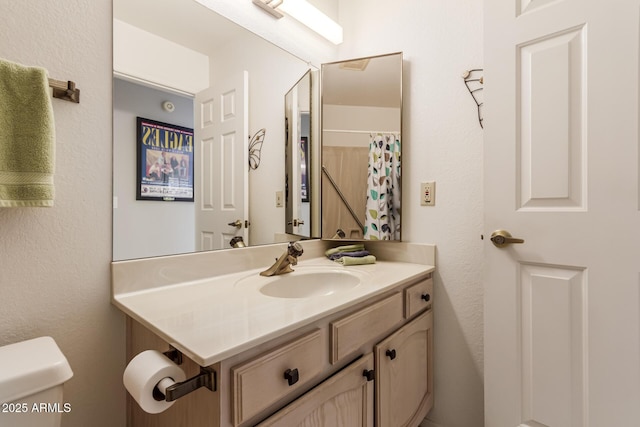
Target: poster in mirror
[165, 161]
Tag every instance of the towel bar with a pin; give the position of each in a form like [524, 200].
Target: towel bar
[65, 90]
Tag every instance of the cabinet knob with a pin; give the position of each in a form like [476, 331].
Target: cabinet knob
[426, 297]
[391, 354]
[292, 376]
[369, 374]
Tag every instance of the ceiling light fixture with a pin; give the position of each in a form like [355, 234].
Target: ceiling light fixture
[305, 13]
[270, 7]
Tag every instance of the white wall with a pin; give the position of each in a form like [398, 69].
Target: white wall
[55, 273]
[356, 118]
[144, 228]
[442, 141]
[141, 55]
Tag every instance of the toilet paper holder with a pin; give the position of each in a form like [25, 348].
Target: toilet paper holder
[174, 355]
[175, 390]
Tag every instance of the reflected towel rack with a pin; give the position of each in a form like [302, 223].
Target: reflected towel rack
[65, 90]
[344, 199]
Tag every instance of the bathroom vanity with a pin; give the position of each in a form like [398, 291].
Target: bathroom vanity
[356, 345]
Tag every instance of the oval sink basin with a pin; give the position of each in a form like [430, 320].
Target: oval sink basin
[304, 283]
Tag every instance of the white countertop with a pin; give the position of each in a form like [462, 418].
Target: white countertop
[215, 318]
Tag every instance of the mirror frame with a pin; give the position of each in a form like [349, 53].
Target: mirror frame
[296, 222]
[329, 180]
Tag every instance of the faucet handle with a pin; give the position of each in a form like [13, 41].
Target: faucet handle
[295, 249]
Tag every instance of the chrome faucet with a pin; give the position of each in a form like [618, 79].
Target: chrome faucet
[286, 260]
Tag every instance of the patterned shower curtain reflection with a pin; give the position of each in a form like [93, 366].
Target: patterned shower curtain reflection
[382, 216]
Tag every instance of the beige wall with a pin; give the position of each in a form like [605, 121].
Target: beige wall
[442, 141]
[54, 262]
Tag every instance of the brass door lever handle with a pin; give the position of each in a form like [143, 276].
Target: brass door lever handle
[502, 238]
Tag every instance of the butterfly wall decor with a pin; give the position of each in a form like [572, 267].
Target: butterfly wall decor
[255, 148]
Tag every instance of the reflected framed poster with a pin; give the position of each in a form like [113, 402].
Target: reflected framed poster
[304, 168]
[165, 161]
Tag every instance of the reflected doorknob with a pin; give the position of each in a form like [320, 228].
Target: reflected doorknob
[502, 238]
[237, 223]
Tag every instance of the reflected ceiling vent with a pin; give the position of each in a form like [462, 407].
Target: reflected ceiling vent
[356, 64]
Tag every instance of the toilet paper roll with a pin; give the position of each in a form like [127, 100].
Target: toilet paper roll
[144, 372]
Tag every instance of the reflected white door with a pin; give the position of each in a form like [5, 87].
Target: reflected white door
[562, 336]
[221, 162]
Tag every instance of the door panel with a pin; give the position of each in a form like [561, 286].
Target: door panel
[552, 333]
[562, 309]
[551, 116]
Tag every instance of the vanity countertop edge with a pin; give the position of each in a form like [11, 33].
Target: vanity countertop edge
[210, 319]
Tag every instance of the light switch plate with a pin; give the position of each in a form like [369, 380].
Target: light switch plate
[279, 199]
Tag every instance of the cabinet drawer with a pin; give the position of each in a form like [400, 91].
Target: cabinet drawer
[344, 399]
[351, 332]
[262, 381]
[418, 297]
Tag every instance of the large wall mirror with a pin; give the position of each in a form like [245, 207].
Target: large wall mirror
[169, 63]
[361, 148]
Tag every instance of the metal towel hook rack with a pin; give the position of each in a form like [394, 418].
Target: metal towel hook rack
[474, 83]
[66, 91]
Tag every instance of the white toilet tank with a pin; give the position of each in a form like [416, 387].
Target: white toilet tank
[31, 377]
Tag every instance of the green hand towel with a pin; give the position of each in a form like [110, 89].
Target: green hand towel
[350, 260]
[27, 137]
[346, 248]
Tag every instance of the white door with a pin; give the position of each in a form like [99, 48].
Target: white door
[221, 164]
[562, 336]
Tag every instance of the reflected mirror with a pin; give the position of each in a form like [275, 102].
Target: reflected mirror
[297, 153]
[361, 148]
[186, 66]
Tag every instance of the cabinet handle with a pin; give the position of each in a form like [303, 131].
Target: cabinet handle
[391, 354]
[426, 297]
[369, 374]
[292, 376]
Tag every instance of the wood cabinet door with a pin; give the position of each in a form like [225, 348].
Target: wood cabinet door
[404, 374]
[344, 400]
